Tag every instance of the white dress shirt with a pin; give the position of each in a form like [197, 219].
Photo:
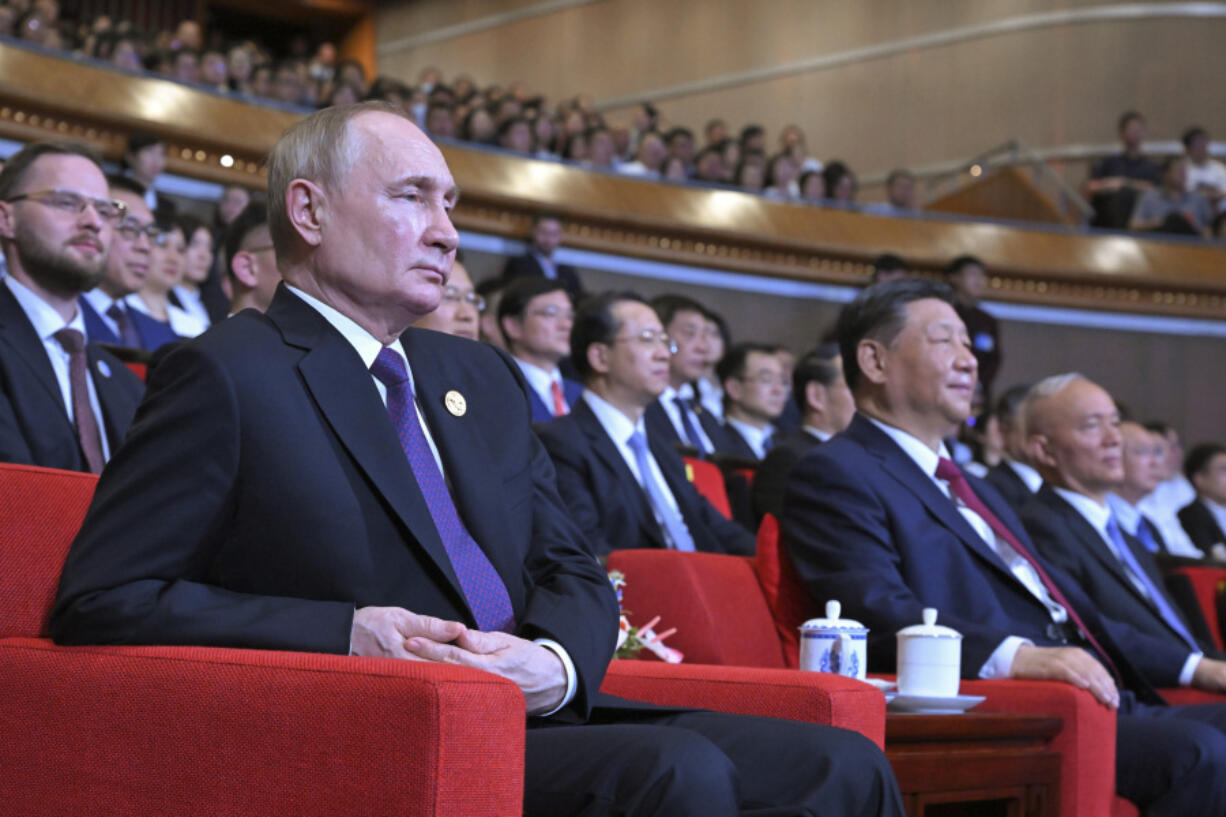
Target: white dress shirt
[540, 381]
[667, 401]
[1098, 515]
[193, 304]
[46, 323]
[368, 347]
[711, 396]
[821, 436]
[756, 437]
[1001, 659]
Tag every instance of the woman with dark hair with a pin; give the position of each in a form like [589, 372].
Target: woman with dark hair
[478, 126]
[840, 184]
[781, 172]
[197, 265]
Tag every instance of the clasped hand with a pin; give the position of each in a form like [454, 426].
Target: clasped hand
[393, 632]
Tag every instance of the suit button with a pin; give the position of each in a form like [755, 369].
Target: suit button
[1055, 633]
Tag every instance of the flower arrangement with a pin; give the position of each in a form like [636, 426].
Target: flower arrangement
[632, 640]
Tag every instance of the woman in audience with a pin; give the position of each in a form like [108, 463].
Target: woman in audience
[781, 181]
[576, 148]
[749, 176]
[166, 267]
[840, 184]
[673, 170]
[478, 127]
[459, 309]
[197, 263]
[812, 187]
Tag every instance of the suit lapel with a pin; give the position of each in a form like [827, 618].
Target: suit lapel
[25, 346]
[343, 390]
[96, 330]
[902, 468]
[668, 460]
[633, 496]
[1088, 539]
[113, 398]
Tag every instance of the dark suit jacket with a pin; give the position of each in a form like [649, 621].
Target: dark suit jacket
[1066, 540]
[607, 501]
[153, 333]
[1200, 525]
[661, 427]
[526, 265]
[737, 445]
[281, 500]
[542, 413]
[1009, 485]
[864, 525]
[770, 481]
[35, 427]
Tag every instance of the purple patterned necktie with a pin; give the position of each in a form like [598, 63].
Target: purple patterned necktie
[483, 587]
[73, 342]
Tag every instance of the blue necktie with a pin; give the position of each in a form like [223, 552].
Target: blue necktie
[694, 438]
[1146, 536]
[1140, 577]
[674, 525]
[768, 442]
[483, 587]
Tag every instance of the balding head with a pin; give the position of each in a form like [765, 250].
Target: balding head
[1072, 426]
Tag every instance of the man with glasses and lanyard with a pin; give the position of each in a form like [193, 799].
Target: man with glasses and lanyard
[108, 319]
[626, 487]
[63, 403]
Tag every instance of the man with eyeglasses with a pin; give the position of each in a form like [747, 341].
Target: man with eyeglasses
[64, 403]
[251, 265]
[459, 309]
[108, 319]
[624, 485]
[535, 315]
[755, 391]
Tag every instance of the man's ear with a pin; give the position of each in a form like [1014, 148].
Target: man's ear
[598, 357]
[512, 328]
[733, 388]
[1038, 447]
[7, 227]
[871, 357]
[244, 270]
[305, 204]
[815, 396]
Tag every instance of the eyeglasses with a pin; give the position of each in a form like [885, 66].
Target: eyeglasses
[260, 248]
[553, 311]
[652, 337]
[766, 379]
[453, 295]
[132, 230]
[66, 201]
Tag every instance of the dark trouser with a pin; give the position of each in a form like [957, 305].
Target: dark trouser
[1171, 760]
[706, 764]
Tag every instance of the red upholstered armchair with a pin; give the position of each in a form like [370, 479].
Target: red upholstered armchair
[200, 731]
[722, 609]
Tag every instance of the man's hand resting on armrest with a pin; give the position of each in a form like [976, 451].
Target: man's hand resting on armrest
[393, 632]
[1072, 665]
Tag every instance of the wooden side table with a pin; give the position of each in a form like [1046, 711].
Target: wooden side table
[988, 765]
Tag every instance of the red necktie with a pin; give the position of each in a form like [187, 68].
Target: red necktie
[960, 488]
[73, 342]
[559, 401]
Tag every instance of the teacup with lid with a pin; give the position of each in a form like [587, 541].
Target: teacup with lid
[929, 658]
[833, 644]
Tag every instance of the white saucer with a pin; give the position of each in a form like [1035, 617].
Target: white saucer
[926, 705]
[881, 683]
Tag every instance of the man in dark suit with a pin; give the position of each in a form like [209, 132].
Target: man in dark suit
[826, 406]
[881, 519]
[1074, 431]
[678, 415]
[535, 316]
[624, 487]
[108, 319]
[755, 392]
[1014, 477]
[358, 488]
[64, 403]
[1204, 518]
[1143, 453]
[538, 261]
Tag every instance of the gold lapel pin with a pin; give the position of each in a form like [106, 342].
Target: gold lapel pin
[455, 403]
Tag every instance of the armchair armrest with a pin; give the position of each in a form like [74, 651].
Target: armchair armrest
[776, 693]
[202, 731]
[1086, 743]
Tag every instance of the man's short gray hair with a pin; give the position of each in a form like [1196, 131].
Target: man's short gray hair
[321, 149]
[1047, 387]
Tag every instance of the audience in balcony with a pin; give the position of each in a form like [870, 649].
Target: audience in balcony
[1205, 175]
[1172, 207]
[1116, 182]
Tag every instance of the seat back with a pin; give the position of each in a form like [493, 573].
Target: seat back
[786, 598]
[713, 600]
[41, 510]
[1208, 585]
[709, 481]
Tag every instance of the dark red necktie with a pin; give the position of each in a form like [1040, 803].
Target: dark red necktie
[960, 488]
[483, 588]
[73, 342]
[559, 400]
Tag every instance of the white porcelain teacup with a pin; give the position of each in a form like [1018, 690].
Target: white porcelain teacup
[929, 659]
[833, 644]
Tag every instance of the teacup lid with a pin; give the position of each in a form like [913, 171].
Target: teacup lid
[832, 620]
[930, 628]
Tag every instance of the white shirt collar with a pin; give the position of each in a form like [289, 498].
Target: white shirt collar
[101, 302]
[756, 437]
[822, 436]
[42, 315]
[538, 378]
[1093, 512]
[1026, 474]
[1127, 514]
[924, 457]
[617, 425]
[365, 344]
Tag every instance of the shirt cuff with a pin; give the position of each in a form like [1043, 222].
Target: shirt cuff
[1000, 662]
[567, 665]
[1189, 668]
